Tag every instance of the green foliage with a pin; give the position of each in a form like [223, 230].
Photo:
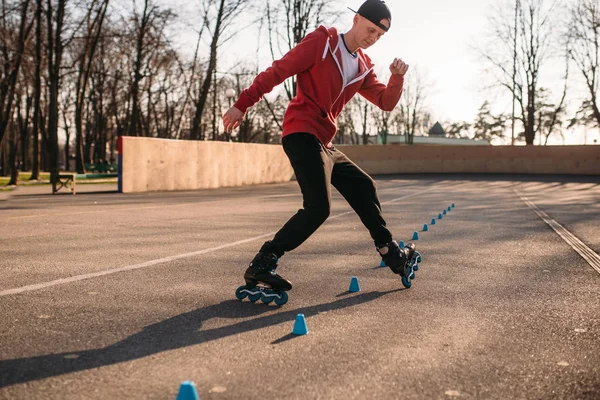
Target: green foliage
[487, 125]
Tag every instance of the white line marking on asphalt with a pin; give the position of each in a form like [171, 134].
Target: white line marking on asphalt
[584, 251]
[77, 278]
[385, 202]
[150, 263]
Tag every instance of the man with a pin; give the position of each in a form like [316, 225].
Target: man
[330, 68]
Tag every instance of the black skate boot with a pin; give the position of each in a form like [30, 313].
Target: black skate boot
[262, 271]
[403, 262]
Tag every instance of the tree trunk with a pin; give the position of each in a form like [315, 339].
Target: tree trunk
[12, 154]
[134, 124]
[67, 141]
[365, 137]
[55, 51]
[212, 65]
[7, 86]
[35, 167]
[530, 123]
[85, 69]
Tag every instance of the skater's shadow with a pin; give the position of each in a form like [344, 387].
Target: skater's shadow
[177, 332]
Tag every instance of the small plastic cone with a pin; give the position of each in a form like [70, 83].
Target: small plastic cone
[354, 286]
[187, 391]
[300, 327]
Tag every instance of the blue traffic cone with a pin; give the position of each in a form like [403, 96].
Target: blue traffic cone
[440, 216]
[354, 286]
[449, 208]
[444, 212]
[187, 391]
[415, 236]
[382, 264]
[401, 244]
[452, 205]
[300, 327]
[425, 228]
[432, 221]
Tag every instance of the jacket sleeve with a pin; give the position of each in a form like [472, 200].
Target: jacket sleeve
[384, 97]
[298, 59]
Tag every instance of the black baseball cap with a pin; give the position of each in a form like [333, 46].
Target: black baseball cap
[375, 11]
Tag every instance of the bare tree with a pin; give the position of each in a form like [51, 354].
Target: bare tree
[346, 124]
[227, 11]
[289, 22]
[457, 129]
[55, 25]
[364, 110]
[583, 36]
[531, 48]
[410, 109]
[37, 89]
[487, 125]
[94, 20]
[383, 121]
[12, 61]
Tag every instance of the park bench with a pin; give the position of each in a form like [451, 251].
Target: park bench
[68, 180]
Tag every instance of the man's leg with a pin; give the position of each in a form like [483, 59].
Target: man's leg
[359, 190]
[312, 166]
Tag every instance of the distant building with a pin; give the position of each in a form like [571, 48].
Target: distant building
[400, 139]
[437, 130]
[437, 135]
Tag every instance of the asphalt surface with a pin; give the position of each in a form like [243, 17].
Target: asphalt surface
[124, 296]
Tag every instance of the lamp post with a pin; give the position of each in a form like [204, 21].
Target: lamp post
[229, 93]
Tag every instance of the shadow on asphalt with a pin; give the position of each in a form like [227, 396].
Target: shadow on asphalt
[174, 333]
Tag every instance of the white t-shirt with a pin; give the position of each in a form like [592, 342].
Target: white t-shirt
[349, 61]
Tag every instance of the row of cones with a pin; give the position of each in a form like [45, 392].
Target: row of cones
[187, 390]
[433, 222]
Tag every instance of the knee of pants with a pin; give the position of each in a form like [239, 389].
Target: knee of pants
[318, 213]
[370, 186]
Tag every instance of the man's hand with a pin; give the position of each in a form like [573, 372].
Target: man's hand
[398, 67]
[232, 119]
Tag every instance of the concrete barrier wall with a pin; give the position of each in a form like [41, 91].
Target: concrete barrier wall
[392, 159]
[149, 164]
[161, 165]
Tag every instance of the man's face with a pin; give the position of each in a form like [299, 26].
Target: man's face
[367, 33]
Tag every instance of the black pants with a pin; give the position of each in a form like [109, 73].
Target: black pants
[317, 168]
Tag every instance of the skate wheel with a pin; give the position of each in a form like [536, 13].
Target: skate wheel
[266, 299]
[416, 267]
[240, 293]
[282, 300]
[419, 258]
[412, 275]
[406, 282]
[254, 297]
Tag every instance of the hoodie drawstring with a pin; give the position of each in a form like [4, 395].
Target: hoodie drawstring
[326, 48]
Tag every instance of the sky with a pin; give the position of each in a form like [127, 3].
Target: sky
[438, 38]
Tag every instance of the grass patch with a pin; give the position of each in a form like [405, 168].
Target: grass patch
[24, 179]
[45, 180]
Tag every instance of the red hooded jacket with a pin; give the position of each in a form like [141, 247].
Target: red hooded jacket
[320, 95]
